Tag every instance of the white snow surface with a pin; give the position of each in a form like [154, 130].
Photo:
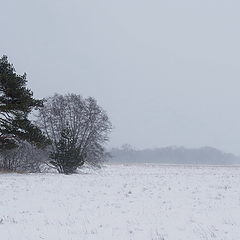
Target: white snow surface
[123, 202]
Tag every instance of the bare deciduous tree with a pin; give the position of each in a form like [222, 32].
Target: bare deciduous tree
[24, 158]
[78, 129]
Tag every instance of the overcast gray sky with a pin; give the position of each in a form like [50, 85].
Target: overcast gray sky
[167, 72]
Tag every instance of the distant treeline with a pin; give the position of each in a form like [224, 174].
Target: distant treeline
[173, 155]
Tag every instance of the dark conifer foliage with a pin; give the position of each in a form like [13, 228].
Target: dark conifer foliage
[16, 102]
[67, 157]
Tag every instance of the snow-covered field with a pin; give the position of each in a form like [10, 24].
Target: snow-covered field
[149, 202]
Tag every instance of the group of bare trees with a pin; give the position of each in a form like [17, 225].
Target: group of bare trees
[24, 158]
[77, 128]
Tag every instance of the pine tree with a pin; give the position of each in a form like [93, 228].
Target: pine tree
[16, 102]
[67, 157]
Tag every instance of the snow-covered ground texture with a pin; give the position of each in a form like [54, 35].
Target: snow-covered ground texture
[135, 202]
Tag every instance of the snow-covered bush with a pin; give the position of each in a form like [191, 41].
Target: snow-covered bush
[25, 158]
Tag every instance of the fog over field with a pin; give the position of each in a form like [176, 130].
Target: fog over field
[173, 155]
[167, 72]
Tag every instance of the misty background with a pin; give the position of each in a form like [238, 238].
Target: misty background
[167, 72]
